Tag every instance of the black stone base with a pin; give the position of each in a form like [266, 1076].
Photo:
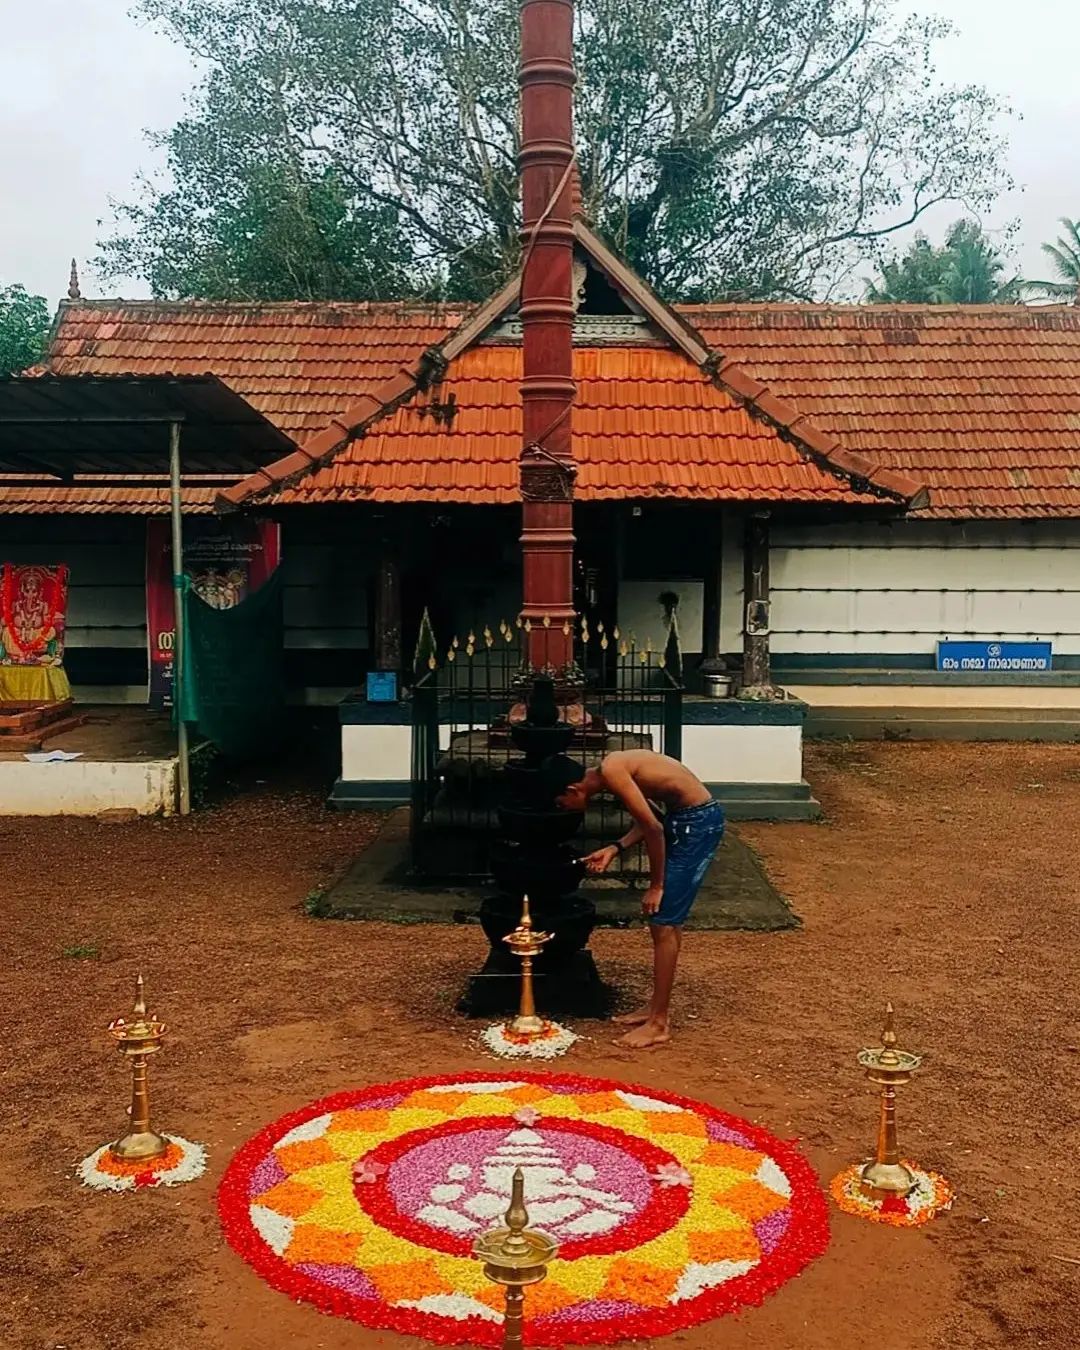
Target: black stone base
[572, 989]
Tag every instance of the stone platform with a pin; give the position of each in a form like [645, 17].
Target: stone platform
[736, 894]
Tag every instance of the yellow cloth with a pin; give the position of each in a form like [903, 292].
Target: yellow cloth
[33, 684]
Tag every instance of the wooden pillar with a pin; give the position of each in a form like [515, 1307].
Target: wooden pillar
[388, 610]
[180, 661]
[712, 650]
[547, 317]
[757, 674]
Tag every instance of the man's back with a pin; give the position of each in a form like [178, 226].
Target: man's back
[659, 778]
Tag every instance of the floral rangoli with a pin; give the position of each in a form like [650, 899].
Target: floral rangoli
[668, 1212]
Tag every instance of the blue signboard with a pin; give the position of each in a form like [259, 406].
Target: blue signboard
[382, 686]
[995, 657]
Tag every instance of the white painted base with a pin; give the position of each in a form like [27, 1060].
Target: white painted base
[85, 787]
[734, 754]
[717, 754]
[376, 753]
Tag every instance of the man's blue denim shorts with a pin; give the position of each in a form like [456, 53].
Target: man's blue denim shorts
[692, 837]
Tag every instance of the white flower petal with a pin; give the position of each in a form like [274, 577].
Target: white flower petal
[457, 1306]
[446, 1195]
[501, 1086]
[303, 1134]
[275, 1229]
[640, 1103]
[696, 1278]
[769, 1174]
[586, 1225]
[441, 1217]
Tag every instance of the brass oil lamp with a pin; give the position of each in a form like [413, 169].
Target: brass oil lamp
[137, 1040]
[527, 944]
[514, 1257]
[889, 1067]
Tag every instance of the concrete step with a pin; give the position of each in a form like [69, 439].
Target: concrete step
[946, 724]
[767, 801]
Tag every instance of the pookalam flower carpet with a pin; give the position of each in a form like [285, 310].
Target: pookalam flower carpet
[668, 1212]
[932, 1196]
[182, 1161]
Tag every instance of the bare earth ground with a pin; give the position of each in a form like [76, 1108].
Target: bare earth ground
[945, 877]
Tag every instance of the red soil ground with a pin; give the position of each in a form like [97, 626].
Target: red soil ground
[944, 877]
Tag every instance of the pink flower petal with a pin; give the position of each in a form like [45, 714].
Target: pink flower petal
[671, 1174]
[367, 1171]
[527, 1115]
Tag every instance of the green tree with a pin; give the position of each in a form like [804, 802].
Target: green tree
[24, 327]
[1065, 257]
[968, 269]
[727, 147]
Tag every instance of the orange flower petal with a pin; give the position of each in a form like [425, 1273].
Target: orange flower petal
[600, 1102]
[359, 1122]
[660, 1122]
[723, 1244]
[290, 1198]
[637, 1282]
[310, 1243]
[444, 1102]
[751, 1200]
[309, 1153]
[407, 1280]
[118, 1167]
[731, 1155]
[527, 1095]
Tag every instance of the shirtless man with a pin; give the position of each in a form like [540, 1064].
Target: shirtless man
[680, 848]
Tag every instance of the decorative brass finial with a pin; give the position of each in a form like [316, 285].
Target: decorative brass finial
[890, 1067]
[74, 293]
[527, 944]
[138, 1039]
[514, 1257]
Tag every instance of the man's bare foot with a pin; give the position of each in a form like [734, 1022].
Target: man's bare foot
[634, 1019]
[650, 1033]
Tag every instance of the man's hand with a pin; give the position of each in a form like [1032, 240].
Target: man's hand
[601, 860]
[650, 901]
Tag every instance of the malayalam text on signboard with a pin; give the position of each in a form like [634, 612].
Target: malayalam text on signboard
[995, 657]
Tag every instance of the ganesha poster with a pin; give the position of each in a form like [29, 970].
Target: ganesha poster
[33, 614]
[225, 560]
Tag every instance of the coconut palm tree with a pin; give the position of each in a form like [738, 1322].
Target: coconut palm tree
[973, 271]
[968, 269]
[1065, 257]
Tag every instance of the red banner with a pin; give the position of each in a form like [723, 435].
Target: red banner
[225, 560]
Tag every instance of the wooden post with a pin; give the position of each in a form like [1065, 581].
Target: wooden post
[712, 650]
[183, 776]
[547, 317]
[757, 675]
[388, 611]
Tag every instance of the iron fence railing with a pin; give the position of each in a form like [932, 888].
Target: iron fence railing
[462, 705]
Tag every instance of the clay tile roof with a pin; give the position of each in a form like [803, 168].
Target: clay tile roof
[979, 403]
[647, 423]
[298, 364]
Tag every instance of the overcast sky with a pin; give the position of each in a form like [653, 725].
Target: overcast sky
[81, 79]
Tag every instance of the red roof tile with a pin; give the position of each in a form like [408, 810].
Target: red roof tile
[98, 500]
[298, 364]
[982, 405]
[979, 403]
[646, 424]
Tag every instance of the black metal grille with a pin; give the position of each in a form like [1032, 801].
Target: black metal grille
[461, 704]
